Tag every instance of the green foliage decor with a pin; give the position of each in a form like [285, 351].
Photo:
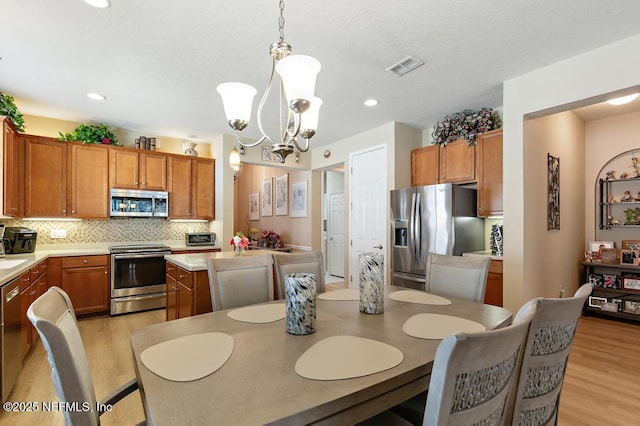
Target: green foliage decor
[98, 134]
[8, 107]
[465, 124]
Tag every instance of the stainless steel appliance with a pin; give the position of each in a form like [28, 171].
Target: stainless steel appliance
[138, 281]
[436, 218]
[138, 203]
[19, 240]
[10, 336]
[200, 238]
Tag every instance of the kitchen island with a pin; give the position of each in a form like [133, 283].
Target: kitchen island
[188, 291]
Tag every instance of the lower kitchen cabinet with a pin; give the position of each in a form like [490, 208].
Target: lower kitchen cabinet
[33, 284]
[86, 280]
[493, 294]
[188, 292]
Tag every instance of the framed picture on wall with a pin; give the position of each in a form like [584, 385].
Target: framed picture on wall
[553, 192]
[267, 202]
[254, 206]
[299, 199]
[282, 195]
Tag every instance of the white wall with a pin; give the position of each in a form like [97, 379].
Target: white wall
[581, 80]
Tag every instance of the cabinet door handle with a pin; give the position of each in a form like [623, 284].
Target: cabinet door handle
[181, 276]
[169, 269]
[84, 261]
[105, 272]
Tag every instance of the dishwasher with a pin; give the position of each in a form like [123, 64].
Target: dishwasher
[10, 329]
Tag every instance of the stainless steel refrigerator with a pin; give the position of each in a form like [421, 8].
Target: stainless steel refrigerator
[435, 218]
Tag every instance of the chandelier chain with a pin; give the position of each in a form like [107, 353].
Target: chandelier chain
[281, 21]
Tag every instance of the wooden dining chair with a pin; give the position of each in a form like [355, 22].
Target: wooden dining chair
[471, 377]
[240, 281]
[53, 317]
[457, 276]
[311, 262]
[536, 395]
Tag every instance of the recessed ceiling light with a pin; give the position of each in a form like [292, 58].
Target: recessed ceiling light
[623, 100]
[96, 96]
[371, 102]
[99, 3]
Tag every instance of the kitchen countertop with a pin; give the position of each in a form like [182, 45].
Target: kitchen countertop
[198, 261]
[10, 269]
[483, 253]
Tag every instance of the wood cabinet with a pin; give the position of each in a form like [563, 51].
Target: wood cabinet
[188, 292]
[191, 188]
[454, 163]
[45, 177]
[493, 293]
[489, 165]
[137, 169]
[86, 281]
[88, 195]
[13, 170]
[33, 284]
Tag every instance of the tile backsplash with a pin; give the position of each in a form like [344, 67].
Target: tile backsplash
[112, 230]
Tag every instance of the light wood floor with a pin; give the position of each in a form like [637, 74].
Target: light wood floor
[601, 387]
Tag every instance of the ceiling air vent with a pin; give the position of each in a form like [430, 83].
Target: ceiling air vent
[409, 63]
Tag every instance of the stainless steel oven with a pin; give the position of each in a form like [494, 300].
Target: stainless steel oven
[138, 278]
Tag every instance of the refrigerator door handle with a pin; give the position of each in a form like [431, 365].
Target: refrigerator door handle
[413, 226]
[417, 229]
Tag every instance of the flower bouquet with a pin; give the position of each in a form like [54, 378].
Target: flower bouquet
[240, 243]
[270, 239]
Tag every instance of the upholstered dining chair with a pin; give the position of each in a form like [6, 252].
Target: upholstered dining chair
[311, 262]
[457, 276]
[471, 376]
[53, 317]
[536, 398]
[240, 281]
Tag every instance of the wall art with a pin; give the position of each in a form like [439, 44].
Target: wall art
[553, 192]
[299, 199]
[267, 202]
[282, 195]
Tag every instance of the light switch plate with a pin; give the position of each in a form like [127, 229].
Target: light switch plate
[58, 233]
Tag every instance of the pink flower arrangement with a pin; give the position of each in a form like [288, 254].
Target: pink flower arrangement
[239, 240]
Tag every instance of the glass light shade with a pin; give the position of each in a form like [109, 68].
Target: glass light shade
[237, 99]
[310, 116]
[234, 159]
[298, 73]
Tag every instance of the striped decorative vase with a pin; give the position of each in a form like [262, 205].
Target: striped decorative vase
[300, 294]
[371, 283]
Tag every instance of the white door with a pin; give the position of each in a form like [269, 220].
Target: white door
[368, 207]
[336, 234]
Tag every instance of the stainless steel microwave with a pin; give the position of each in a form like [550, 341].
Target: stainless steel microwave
[137, 203]
[200, 238]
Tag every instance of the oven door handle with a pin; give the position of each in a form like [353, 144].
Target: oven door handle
[139, 256]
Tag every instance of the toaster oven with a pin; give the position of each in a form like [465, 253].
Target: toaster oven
[200, 238]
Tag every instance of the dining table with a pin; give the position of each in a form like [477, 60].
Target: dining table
[259, 383]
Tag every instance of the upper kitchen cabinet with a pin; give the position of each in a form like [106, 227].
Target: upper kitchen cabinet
[45, 177]
[13, 187]
[137, 169]
[191, 187]
[455, 163]
[489, 159]
[88, 189]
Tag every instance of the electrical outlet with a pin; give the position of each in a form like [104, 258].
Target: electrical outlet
[58, 233]
[190, 229]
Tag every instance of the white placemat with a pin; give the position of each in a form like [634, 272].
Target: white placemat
[346, 357]
[259, 314]
[342, 294]
[414, 296]
[188, 358]
[436, 326]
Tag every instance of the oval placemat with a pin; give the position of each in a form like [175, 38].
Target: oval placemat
[357, 356]
[259, 314]
[188, 358]
[342, 294]
[414, 296]
[436, 326]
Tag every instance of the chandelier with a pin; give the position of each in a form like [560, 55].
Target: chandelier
[298, 115]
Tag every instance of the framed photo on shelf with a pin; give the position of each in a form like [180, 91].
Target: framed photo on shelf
[596, 302]
[282, 195]
[630, 281]
[595, 246]
[608, 255]
[254, 206]
[631, 244]
[610, 281]
[596, 280]
[267, 202]
[629, 257]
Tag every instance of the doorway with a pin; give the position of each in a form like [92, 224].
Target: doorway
[334, 224]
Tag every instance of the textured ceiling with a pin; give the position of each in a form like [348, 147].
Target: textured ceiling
[159, 61]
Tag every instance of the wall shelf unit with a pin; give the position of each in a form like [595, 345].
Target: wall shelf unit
[616, 291]
[619, 203]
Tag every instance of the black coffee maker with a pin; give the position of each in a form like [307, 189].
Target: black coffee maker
[19, 240]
